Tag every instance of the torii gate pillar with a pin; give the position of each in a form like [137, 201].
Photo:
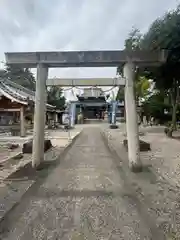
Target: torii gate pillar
[39, 115]
[72, 114]
[131, 118]
[113, 113]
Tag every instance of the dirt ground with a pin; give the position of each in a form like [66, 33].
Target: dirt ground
[159, 185]
[6, 153]
[59, 139]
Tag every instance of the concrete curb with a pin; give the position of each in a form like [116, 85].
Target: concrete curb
[13, 198]
[67, 148]
[108, 144]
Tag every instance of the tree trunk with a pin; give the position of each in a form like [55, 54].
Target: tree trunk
[174, 100]
[174, 118]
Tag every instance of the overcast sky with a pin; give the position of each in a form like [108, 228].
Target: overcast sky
[34, 25]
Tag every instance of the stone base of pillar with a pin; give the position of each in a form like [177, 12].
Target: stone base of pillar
[28, 146]
[143, 146]
[136, 167]
[113, 126]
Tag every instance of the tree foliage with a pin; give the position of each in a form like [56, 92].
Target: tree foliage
[54, 97]
[120, 94]
[133, 41]
[21, 76]
[142, 88]
[164, 33]
[142, 84]
[156, 106]
[25, 78]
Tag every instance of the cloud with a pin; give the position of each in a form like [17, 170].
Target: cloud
[34, 25]
[74, 25]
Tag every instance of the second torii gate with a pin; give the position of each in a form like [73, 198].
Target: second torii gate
[44, 60]
[82, 82]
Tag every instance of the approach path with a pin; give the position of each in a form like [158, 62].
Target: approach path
[83, 198]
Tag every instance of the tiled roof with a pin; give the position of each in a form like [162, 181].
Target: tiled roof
[17, 92]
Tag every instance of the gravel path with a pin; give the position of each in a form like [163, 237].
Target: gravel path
[83, 198]
[159, 185]
[165, 156]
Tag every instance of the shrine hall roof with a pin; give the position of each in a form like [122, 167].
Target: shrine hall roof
[17, 93]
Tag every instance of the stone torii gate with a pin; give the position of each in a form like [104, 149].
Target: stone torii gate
[44, 60]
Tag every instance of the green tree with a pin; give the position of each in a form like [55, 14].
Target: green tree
[55, 98]
[133, 42]
[25, 78]
[156, 105]
[120, 94]
[142, 88]
[164, 33]
[21, 76]
[142, 84]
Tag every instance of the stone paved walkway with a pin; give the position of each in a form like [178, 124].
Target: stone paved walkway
[83, 198]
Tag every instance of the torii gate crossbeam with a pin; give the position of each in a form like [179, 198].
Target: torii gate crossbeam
[81, 82]
[44, 60]
[85, 58]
